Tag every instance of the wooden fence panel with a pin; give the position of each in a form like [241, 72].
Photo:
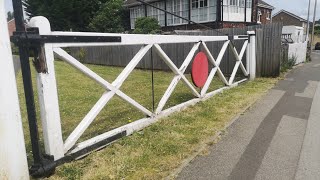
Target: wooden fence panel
[268, 39]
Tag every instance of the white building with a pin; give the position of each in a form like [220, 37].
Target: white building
[228, 13]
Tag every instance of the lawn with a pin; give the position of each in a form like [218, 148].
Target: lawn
[157, 150]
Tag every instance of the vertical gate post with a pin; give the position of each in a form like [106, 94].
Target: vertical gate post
[48, 94]
[252, 55]
[13, 157]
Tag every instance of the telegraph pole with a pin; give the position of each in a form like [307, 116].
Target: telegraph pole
[308, 25]
[314, 21]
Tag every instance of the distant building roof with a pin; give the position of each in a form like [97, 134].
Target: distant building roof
[263, 4]
[290, 14]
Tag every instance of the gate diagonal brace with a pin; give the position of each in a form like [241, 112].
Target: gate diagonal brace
[112, 89]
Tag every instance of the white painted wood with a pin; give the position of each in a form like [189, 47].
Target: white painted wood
[222, 52]
[145, 122]
[248, 58]
[239, 57]
[87, 120]
[88, 72]
[48, 96]
[168, 93]
[208, 82]
[13, 157]
[179, 74]
[132, 39]
[243, 50]
[148, 41]
[252, 70]
[234, 72]
[238, 61]
[188, 59]
[215, 68]
[132, 64]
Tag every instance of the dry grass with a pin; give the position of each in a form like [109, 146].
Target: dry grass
[316, 39]
[154, 152]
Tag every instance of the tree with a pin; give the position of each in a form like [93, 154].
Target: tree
[65, 15]
[111, 18]
[10, 15]
[147, 25]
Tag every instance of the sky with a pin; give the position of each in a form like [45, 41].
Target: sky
[298, 7]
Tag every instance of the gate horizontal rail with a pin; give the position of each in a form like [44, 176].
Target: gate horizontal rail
[48, 94]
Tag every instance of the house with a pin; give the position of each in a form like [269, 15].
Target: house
[264, 11]
[11, 26]
[290, 19]
[211, 13]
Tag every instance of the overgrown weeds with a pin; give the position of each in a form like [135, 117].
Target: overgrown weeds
[285, 65]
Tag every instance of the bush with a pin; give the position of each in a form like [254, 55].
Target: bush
[15, 49]
[288, 64]
[147, 25]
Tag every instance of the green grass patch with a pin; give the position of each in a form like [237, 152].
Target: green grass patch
[154, 152]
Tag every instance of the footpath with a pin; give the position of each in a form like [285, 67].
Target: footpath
[278, 138]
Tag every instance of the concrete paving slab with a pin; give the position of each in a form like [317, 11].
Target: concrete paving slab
[309, 163]
[282, 156]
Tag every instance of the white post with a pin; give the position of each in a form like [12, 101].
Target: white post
[48, 96]
[252, 54]
[248, 57]
[13, 157]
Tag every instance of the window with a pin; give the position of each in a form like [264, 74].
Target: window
[233, 3]
[195, 4]
[259, 16]
[180, 8]
[249, 3]
[242, 3]
[268, 15]
[135, 13]
[156, 13]
[203, 10]
[199, 4]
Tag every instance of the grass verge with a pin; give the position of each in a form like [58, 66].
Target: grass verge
[154, 152]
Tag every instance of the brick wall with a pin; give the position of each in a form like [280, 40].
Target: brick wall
[11, 27]
[264, 17]
[233, 25]
[254, 10]
[286, 19]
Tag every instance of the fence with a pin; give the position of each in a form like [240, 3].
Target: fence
[51, 46]
[268, 38]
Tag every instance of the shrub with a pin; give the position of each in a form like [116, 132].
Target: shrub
[147, 25]
[288, 64]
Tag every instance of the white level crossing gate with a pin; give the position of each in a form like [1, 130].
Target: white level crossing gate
[48, 94]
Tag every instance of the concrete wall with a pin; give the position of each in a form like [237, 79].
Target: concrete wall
[299, 50]
[297, 33]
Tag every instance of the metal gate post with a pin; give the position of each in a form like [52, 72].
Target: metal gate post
[13, 157]
[252, 55]
[47, 93]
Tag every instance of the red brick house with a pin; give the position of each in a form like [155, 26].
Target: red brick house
[11, 26]
[290, 19]
[264, 12]
[212, 13]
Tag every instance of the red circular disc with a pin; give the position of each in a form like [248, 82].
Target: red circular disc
[199, 70]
